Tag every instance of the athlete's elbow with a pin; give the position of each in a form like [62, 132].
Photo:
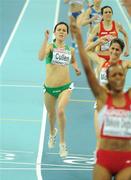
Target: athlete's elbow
[40, 57]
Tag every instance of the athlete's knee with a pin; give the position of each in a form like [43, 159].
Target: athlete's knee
[51, 115]
[60, 112]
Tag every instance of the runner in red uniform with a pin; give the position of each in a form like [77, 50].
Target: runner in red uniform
[114, 108]
[110, 29]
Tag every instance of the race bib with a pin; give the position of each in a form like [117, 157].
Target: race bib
[61, 57]
[106, 45]
[103, 76]
[118, 124]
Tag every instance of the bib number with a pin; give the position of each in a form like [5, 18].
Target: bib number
[103, 76]
[61, 57]
[118, 126]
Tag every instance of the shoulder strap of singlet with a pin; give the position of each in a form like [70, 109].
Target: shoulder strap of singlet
[106, 64]
[120, 61]
[109, 100]
[54, 45]
[101, 28]
[113, 26]
[67, 48]
[128, 101]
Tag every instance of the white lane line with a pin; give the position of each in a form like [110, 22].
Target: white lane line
[13, 32]
[48, 169]
[20, 120]
[21, 86]
[36, 86]
[82, 100]
[17, 163]
[41, 86]
[124, 15]
[15, 151]
[82, 88]
[76, 155]
[66, 166]
[42, 135]
[48, 165]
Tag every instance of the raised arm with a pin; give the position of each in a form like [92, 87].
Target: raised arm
[93, 33]
[90, 49]
[97, 89]
[83, 19]
[45, 49]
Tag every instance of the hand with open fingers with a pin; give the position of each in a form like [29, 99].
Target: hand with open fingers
[73, 25]
[103, 39]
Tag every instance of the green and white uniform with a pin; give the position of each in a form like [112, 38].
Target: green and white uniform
[62, 57]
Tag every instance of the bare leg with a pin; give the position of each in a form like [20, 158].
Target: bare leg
[96, 128]
[62, 102]
[101, 173]
[50, 102]
[124, 174]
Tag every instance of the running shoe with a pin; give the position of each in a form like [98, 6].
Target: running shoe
[63, 150]
[52, 140]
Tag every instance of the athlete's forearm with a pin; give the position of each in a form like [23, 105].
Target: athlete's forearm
[126, 43]
[43, 50]
[86, 22]
[76, 68]
[92, 80]
[92, 45]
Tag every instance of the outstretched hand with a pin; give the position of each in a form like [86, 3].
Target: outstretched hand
[73, 26]
[103, 39]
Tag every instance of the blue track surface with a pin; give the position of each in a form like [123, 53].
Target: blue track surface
[21, 99]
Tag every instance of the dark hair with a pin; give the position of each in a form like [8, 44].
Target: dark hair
[119, 41]
[108, 71]
[113, 65]
[60, 24]
[104, 7]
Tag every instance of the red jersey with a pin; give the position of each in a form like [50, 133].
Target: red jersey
[111, 34]
[116, 121]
